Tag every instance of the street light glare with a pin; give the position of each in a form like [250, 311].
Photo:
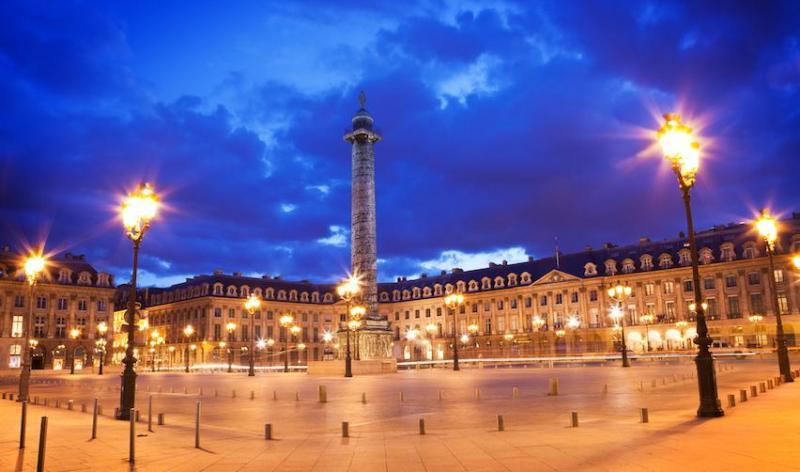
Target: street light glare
[767, 228]
[34, 265]
[139, 208]
[680, 147]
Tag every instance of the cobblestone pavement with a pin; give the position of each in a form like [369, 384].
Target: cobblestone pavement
[460, 410]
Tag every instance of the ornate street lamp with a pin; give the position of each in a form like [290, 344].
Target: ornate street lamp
[138, 210]
[619, 293]
[411, 337]
[286, 321]
[73, 334]
[682, 150]
[767, 227]
[230, 327]
[295, 330]
[252, 305]
[188, 331]
[453, 303]
[347, 290]
[756, 319]
[647, 320]
[34, 266]
[102, 329]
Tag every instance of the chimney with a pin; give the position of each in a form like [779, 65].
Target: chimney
[399, 279]
[530, 258]
[266, 277]
[644, 240]
[444, 272]
[423, 275]
[277, 277]
[609, 246]
[492, 264]
[505, 262]
[457, 270]
[588, 248]
[237, 274]
[218, 272]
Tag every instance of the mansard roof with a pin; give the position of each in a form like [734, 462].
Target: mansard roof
[12, 267]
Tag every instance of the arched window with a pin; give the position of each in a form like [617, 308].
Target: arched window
[269, 293]
[395, 295]
[526, 278]
[611, 267]
[315, 297]
[328, 298]
[706, 256]
[461, 286]
[627, 266]
[589, 269]
[473, 285]
[486, 283]
[244, 291]
[646, 262]
[684, 257]
[499, 282]
[750, 250]
[257, 292]
[665, 260]
[231, 291]
[218, 289]
[437, 290]
[281, 294]
[85, 278]
[406, 295]
[293, 295]
[448, 288]
[304, 297]
[384, 296]
[64, 276]
[426, 292]
[726, 252]
[415, 292]
[512, 280]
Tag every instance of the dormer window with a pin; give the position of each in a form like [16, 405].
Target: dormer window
[281, 294]
[257, 292]
[85, 278]
[795, 243]
[103, 279]
[269, 293]
[526, 278]
[304, 297]
[512, 280]
[750, 251]
[499, 282]
[448, 289]
[406, 295]
[589, 269]
[244, 292]
[437, 290]
[473, 285]
[726, 252]
[486, 283]
[64, 276]
[218, 290]
[231, 291]
[396, 295]
[627, 266]
[415, 292]
[315, 297]
[646, 262]
[327, 298]
[665, 261]
[293, 295]
[706, 256]
[684, 257]
[461, 286]
[426, 292]
[611, 267]
[384, 297]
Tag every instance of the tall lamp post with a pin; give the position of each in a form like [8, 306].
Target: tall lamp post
[452, 303]
[138, 210]
[73, 334]
[347, 290]
[619, 293]
[682, 150]
[295, 330]
[230, 327]
[767, 227]
[188, 331]
[102, 329]
[286, 321]
[252, 305]
[756, 319]
[34, 266]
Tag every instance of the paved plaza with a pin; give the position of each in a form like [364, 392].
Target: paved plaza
[460, 410]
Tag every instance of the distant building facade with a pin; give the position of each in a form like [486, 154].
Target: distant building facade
[504, 302]
[72, 294]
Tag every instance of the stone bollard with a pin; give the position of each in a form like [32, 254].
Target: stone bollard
[440, 395]
[42, 444]
[83, 407]
[138, 419]
[553, 387]
[95, 412]
[605, 389]
[762, 387]
[422, 426]
[297, 396]
[742, 395]
[402, 398]
[753, 391]
[644, 415]
[185, 390]
[100, 410]
[58, 403]
[252, 394]
[197, 426]
[200, 392]
[172, 390]
[574, 418]
[36, 399]
[233, 393]
[477, 394]
[674, 378]
[731, 400]
[268, 431]
[4, 395]
[641, 385]
[11, 396]
[216, 392]
[70, 405]
[160, 420]
[345, 429]
[323, 394]
[274, 395]
[46, 402]
[363, 397]
[770, 384]
[501, 425]
[653, 383]
[515, 392]
[132, 437]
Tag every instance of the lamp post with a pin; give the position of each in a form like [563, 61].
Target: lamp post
[188, 331]
[286, 321]
[261, 344]
[682, 324]
[34, 266]
[347, 290]
[138, 210]
[155, 338]
[411, 337]
[252, 305]
[682, 150]
[619, 293]
[270, 343]
[536, 323]
[431, 329]
[295, 331]
[230, 327]
[73, 334]
[767, 227]
[472, 329]
[452, 303]
[102, 329]
[647, 320]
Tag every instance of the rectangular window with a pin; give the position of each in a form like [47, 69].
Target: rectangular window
[257, 331]
[488, 330]
[19, 301]
[574, 297]
[730, 281]
[688, 286]
[513, 303]
[462, 309]
[41, 303]
[439, 310]
[593, 295]
[101, 305]
[733, 308]
[528, 302]
[16, 326]
[408, 314]
[753, 278]
[779, 276]
[669, 308]
[81, 305]
[486, 306]
[217, 332]
[559, 299]
[231, 313]
[416, 313]
[245, 333]
[711, 311]
[217, 312]
[397, 316]
[474, 307]
[316, 317]
[756, 303]
[500, 304]
[669, 287]
[649, 289]
[14, 356]
[304, 316]
[543, 300]
[269, 332]
[783, 304]
[269, 316]
[650, 309]
[501, 325]
[427, 312]
[62, 304]
[708, 283]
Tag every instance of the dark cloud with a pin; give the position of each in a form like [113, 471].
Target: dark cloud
[503, 127]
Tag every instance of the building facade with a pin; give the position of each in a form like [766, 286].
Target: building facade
[510, 310]
[70, 298]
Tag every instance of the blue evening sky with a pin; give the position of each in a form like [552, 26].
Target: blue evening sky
[506, 124]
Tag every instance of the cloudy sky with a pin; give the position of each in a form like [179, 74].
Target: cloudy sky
[505, 126]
